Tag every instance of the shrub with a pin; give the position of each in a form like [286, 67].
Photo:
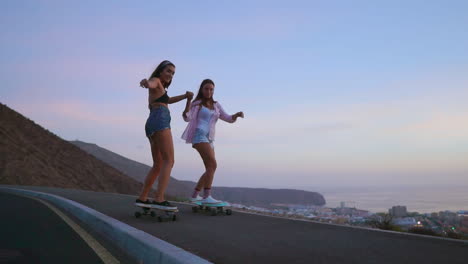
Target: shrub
[422, 231]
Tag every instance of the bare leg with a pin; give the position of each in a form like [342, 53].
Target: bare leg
[153, 173]
[201, 182]
[166, 149]
[208, 156]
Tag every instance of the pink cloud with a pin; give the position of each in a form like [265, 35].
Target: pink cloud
[83, 112]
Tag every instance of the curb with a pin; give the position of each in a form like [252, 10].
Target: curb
[141, 246]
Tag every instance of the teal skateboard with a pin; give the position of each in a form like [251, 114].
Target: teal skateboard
[212, 209]
[163, 215]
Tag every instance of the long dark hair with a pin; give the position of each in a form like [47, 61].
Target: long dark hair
[163, 65]
[200, 93]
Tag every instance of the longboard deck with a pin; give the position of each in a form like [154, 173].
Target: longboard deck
[156, 208]
[213, 209]
[165, 215]
[223, 204]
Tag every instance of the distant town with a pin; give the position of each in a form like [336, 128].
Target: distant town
[444, 224]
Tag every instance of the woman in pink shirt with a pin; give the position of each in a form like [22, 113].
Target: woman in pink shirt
[202, 116]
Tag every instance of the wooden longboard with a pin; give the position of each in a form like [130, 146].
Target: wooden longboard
[163, 215]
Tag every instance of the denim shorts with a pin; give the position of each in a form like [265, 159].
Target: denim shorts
[201, 136]
[159, 119]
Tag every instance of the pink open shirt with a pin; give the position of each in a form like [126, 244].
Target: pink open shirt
[192, 118]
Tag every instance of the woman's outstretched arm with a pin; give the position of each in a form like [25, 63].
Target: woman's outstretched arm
[153, 83]
[174, 99]
[228, 118]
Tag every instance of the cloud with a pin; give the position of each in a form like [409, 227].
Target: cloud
[440, 125]
[413, 135]
[81, 113]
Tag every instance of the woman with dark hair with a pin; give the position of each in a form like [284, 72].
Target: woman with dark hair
[202, 116]
[158, 131]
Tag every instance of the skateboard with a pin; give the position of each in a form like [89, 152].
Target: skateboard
[166, 215]
[213, 209]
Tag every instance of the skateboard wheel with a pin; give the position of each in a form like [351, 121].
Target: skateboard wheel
[174, 217]
[228, 212]
[159, 219]
[153, 214]
[194, 209]
[213, 212]
[137, 214]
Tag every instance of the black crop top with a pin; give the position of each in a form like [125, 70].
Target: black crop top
[163, 99]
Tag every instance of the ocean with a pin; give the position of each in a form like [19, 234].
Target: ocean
[422, 199]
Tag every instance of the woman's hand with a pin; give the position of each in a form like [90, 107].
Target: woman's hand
[238, 114]
[144, 83]
[189, 95]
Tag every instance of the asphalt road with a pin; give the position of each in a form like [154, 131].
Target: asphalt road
[30, 232]
[247, 238]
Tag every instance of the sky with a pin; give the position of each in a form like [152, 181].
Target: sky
[335, 93]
